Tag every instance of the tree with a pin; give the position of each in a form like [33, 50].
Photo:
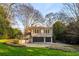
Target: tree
[15, 33]
[49, 19]
[26, 14]
[58, 29]
[4, 23]
[6, 31]
[72, 9]
[71, 34]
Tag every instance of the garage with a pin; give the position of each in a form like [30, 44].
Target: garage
[38, 39]
[48, 39]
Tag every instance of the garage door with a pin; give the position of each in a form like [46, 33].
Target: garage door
[38, 39]
[48, 39]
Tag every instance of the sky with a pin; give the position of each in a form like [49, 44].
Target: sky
[45, 8]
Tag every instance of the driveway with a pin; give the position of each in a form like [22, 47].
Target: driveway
[38, 45]
[58, 46]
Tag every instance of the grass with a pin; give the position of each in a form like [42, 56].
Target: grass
[4, 40]
[6, 50]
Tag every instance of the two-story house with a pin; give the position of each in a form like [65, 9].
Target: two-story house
[39, 34]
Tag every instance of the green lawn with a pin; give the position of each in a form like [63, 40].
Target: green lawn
[6, 50]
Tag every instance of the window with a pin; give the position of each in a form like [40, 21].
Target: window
[37, 31]
[34, 30]
[46, 31]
